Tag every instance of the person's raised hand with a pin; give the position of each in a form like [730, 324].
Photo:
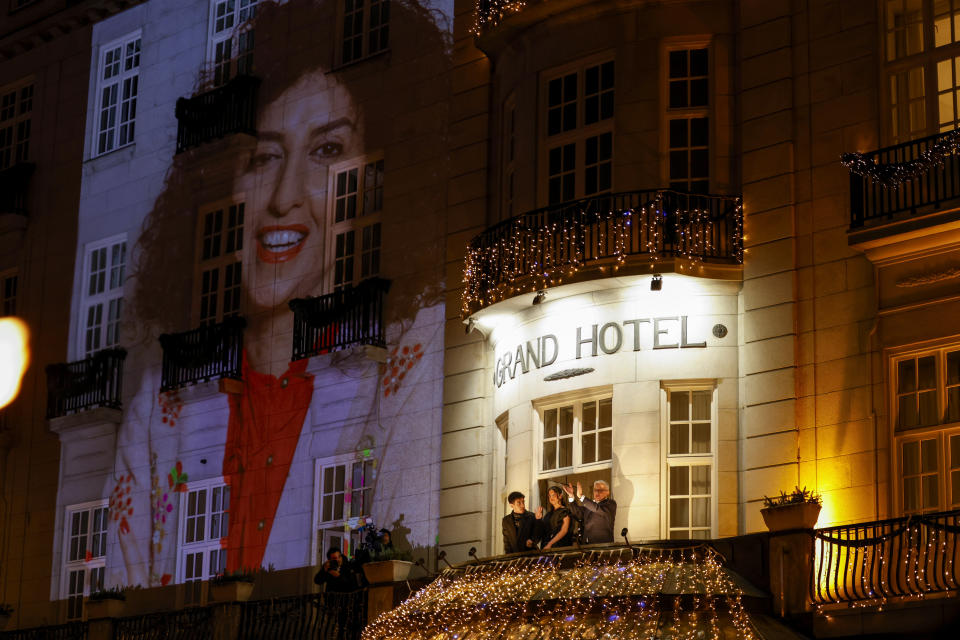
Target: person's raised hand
[568, 488]
[579, 491]
[539, 513]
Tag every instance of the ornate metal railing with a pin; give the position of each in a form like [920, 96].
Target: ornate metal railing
[192, 623]
[93, 382]
[69, 631]
[318, 616]
[543, 247]
[876, 561]
[349, 316]
[904, 180]
[231, 108]
[14, 188]
[212, 351]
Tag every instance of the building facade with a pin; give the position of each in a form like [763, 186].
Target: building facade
[351, 262]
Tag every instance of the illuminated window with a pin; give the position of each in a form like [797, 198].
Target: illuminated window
[929, 466]
[344, 495]
[220, 264]
[577, 140]
[204, 522]
[8, 294]
[118, 85]
[230, 48]
[366, 29]
[576, 434]
[690, 461]
[16, 110]
[102, 305]
[85, 552]
[922, 53]
[357, 203]
[688, 119]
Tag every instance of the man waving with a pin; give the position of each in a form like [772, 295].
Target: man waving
[597, 514]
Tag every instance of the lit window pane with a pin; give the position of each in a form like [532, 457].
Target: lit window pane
[549, 455]
[606, 406]
[679, 439]
[701, 512]
[931, 497]
[701, 405]
[911, 458]
[550, 423]
[701, 438]
[566, 452]
[589, 448]
[589, 416]
[679, 405]
[911, 494]
[928, 456]
[566, 421]
[679, 512]
[679, 481]
[700, 479]
[605, 446]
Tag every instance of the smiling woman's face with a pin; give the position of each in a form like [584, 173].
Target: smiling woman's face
[310, 127]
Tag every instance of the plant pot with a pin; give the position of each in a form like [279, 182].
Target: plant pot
[237, 591]
[106, 608]
[387, 571]
[792, 516]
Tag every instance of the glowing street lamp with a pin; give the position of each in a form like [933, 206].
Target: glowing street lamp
[14, 358]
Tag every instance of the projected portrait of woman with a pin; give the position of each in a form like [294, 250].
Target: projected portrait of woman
[311, 116]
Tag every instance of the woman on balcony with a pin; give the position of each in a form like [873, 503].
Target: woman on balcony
[311, 115]
[556, 527]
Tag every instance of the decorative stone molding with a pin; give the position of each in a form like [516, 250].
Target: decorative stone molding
[930, 277]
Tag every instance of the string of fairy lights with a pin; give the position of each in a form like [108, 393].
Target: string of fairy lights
[489, 13]
[618, 593]
[904, 563]
[893, 174]
[529, 253]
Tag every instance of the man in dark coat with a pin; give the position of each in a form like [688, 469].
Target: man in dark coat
[518, 526]
[596, 515]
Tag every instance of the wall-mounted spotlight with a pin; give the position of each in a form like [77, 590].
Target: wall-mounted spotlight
[656, 283]
[471, 324]
[540, 297]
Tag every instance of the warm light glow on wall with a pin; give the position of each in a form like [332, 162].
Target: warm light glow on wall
[14, 358]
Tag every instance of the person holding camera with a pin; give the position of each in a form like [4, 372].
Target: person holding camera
[335, 573]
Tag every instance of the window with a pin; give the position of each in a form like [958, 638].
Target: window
[230, 48]
[118, 78]
[925, 397]
[104, 265]
[220, 265]
[204, 521]
[688, 119]
[922, 53]
[344, 490]
[357, 202]
[366, 25]
[85, 551]
[689, 470]
[16, 109]
[578, 137]
[576, 434]
[8, 294]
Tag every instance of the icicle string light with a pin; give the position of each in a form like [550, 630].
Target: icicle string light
[893, 174]
[540, 249]
[489, 13]
[679, 592]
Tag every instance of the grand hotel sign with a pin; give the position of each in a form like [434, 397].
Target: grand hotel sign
[592, 341]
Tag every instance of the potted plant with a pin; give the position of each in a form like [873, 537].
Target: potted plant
[236, 586]
[798, 509]
[106, 603]
[6, 611]
[387, 563]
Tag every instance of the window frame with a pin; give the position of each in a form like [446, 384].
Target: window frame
[926, 60]
[668, 113]
[19, 118]
[361, 219]
[232, 34]
[96, 562]
[365, 33]
[580, 133]
[220, 262]
[942, 431]
[321, 528]
[578, 399]
[9, 275]
[204, 546]
[104, 298]
[98, 87]
[668, 460]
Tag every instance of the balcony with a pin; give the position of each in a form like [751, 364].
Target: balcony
[215, 114]
[86, 384]
[904, 188]
[207, 353]
[595, 237]
[14, 188]
[350, 316]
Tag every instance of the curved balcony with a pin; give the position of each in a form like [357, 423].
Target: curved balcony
[206, 353]
[217, 113]
[620, 233]
[85, 384]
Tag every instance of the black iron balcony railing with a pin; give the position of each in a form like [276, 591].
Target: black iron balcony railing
[904, 180]
[192, 623]
[353, 315]
[229, 109]
[93, 382]
[875, 561]
[318, 616]
[206, 353]
[68, 631]
[543, 247]
[14, 187]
